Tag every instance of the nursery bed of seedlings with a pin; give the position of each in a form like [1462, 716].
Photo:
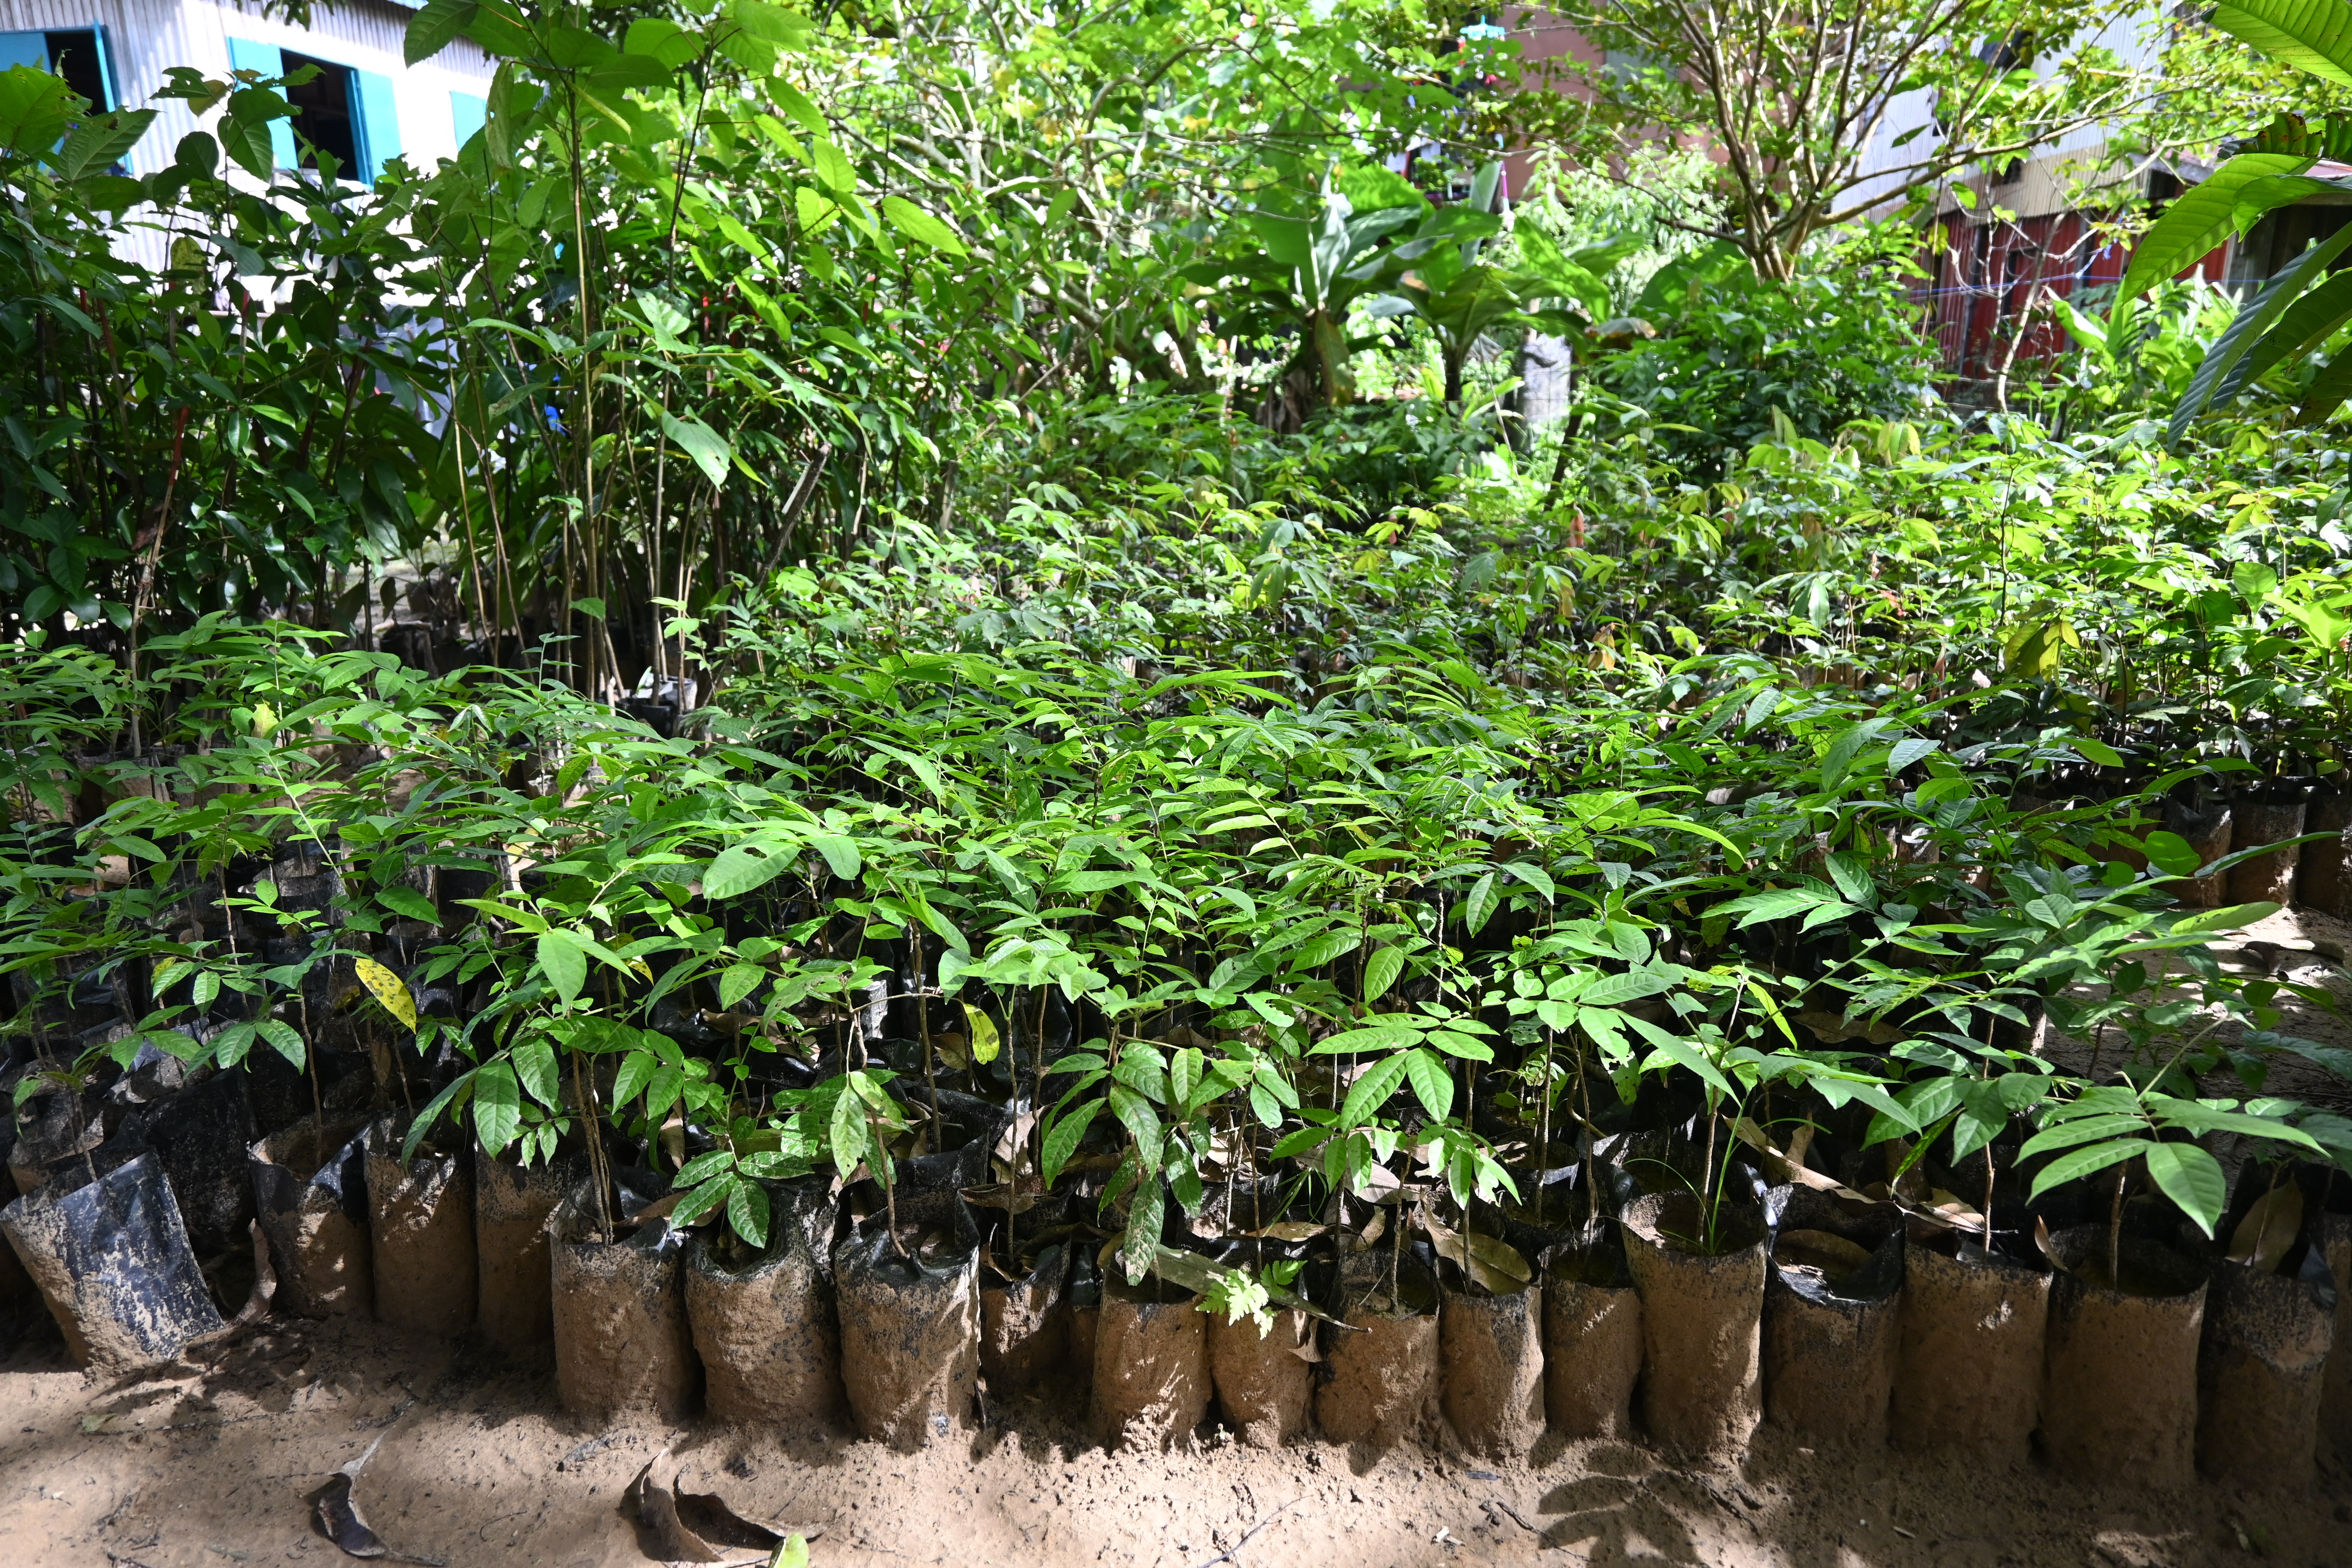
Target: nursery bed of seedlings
[1300, 1005]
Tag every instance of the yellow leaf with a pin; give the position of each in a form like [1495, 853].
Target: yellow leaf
[388, 989]
[984, 1041]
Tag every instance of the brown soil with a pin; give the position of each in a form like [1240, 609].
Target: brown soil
[1592, 1356]
[1490, 1356]
[2335, 1234]
[320, 1254]
[481, 1467]
[2324, 875]
[1969, 1372]
[1383, 1379]
[1025, 1324]
[910, 1344]
[622, 1345]
[765, 1334]
[2261, 1376]
[421, 1220]
[1264, 1381]
[1829, 1365]
[2266, 877]
[1702, 1322]
[1151, 1380]
[511, 1209]
[2119, 1390]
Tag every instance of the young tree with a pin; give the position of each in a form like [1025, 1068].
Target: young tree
[1803, 104]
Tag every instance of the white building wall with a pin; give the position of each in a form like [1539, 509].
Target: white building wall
[145, 38]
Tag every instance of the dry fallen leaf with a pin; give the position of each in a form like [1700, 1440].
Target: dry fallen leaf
[2264, 1238]
[701, 1527]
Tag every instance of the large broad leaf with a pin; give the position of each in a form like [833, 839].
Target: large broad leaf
[2200, 220]
[34, 108]
[706, 446]
[742, 866]
[2316, 35]
[2302, 327]
[435, 27]
[2251, 322]
[2328, 390]
[102, 141]
[2191, 1178]
[564, 962]
[923, 228]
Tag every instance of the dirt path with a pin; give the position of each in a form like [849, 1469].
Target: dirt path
[478, 1468]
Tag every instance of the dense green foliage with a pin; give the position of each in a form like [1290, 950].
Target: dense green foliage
[1110, 707]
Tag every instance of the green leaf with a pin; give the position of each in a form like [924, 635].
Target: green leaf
[564, 962]
[2315, 35]
[534, 1064]
[1145, 1213]
[839, 853]
[100, 142]
[2303, 326]
[2191, 1178]
[1431, 1082]
[2202, 217]
[746, 1213]
[1848, 745]
[738, 981]
[497, 1107]
[847, 1134]
[922, 228]
[1380, 972]
[408, 903]
[1372, 1090]
[2171, 854]
[422, 1123]
[706, 446]
[740, 868]
[1063, 1137]
[284, 1039]
[35, 109]
[1480, 905]
[2083, 1130]
[2251, 321]
[440, 24]
[2083, 1162]
[1140, 1121]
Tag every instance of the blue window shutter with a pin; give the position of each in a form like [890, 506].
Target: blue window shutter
[267, 61]
[374, 111]
[468, 112]
[24, 49]
[106, 69]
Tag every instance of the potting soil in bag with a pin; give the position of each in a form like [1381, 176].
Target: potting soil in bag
[2119, 1384]
[1702, 1321]
[2323, 877]
[2207, 828]
[513, 1211]
[622, 1342]
[1024, 1323]
[2333, 1234]
[421, 1229]
[909, 1311]
[1152, 1364]
[1593, 1341]
[1490, 1369]
[1381, 1361]
[311, 1191]
[2263, 1370]
[1264, 1374]
[113, 1261]
[2270, 817]
[1831, 1331]
[1968, 1375]
[763, 1326]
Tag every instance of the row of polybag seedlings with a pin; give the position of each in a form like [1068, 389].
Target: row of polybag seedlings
[1844, 1324]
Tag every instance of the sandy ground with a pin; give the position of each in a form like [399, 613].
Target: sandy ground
[214, 1468]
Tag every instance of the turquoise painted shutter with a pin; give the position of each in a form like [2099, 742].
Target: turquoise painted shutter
[467, 113]
[106, 69]
[24, 49]
[374, 112]
[266, 59]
